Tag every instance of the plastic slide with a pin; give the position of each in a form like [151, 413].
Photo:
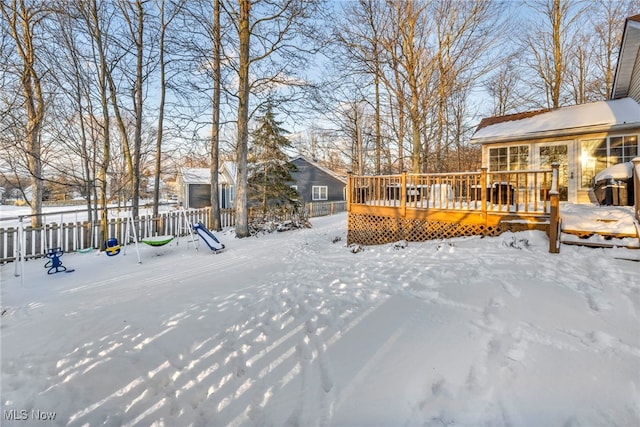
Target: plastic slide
[208, 237]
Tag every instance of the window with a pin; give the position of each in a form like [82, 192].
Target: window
[519, 158]
[597, 154]
[295, 190]
[319, 192]
[593, 160]
[498, 159]
[509, 158]
[622, 149]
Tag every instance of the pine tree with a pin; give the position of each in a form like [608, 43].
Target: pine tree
[269, 169]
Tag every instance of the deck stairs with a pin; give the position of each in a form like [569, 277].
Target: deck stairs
[601, 239]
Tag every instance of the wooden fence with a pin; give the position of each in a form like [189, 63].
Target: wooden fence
[83, 235]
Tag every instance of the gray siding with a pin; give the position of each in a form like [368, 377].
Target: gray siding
[309, 175]
[634, 87]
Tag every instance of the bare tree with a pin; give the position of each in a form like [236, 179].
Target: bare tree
[550, 45]
[360, 34]
[76, 121]
[22, 19]
[607, 21]
[135, 17]
[166, 19]
[407, 44]
[273, 39]
[214, 214]
[92, 18]
[465, 33]
[244, 37]
[502, 86]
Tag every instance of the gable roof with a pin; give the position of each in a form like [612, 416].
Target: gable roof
[322, 168]
[230, 168]
[626, 57]
[195, 175]
[201, 176]
[488, 121]
[584, 118]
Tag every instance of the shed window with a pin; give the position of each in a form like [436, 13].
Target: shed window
[509, 158]
[319, 192]
[598, 154]
[622, 149]
[593, 160]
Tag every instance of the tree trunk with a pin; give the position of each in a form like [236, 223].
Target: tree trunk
[244, 33]
[138, 98]
[163, 91]
[214, 213]
[22, 20]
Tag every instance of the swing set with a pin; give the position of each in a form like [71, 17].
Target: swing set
[111, 246]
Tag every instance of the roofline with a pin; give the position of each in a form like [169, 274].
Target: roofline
[494, 120]
[634, 18]
[556, 133]
[319, 166]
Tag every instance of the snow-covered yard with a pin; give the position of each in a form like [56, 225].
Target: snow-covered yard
[295, 329]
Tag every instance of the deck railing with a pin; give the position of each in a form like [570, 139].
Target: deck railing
[503, 191]
[467, 201]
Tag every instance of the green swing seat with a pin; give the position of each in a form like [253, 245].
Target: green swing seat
[157, 240]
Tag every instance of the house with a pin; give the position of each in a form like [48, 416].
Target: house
[313, 182]
[193, 186]
[584, 139]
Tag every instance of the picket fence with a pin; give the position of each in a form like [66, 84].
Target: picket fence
[79, 236]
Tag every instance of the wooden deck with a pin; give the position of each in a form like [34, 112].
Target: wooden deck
[419, 207]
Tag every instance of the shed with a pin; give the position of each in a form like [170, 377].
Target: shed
[584, 139]
[194, 186]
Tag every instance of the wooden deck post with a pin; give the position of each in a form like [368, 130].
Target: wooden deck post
[636, 187]
[554, 219]
[483, 194]
[403, 194]
[349, 187]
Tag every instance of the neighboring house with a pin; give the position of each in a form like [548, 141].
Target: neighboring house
[193, 186]
[314, 183]
[584, 139]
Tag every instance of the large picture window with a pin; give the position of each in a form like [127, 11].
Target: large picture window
[509, 158]
[319, 192]
[597, 154]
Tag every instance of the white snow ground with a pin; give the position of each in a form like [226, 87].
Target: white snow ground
[294, 329]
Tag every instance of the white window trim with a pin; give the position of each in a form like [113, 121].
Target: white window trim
[509, 147]
[320, 189]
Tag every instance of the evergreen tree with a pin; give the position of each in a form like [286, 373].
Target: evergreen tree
[269, 169]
